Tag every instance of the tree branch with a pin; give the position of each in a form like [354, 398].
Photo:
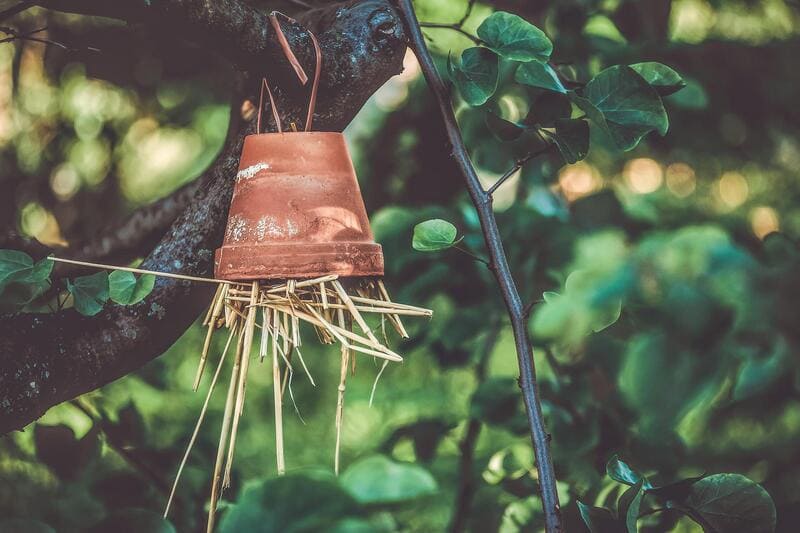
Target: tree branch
[142, 230]
[135, 235]
[466, 478]
[491, 234]
[47, 359]
[13, 10]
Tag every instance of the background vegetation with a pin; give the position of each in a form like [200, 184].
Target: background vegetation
[663, 283]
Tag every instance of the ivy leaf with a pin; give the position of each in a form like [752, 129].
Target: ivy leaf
[675, 491]
[40, 273]
[21, 280]
[661, 77]
[133, 520]
[731, 502]
[290, 503]
[125, 289]
[90, 293]
[538, 74]
[629, 505]
[693, 96]
[547, 108]
[503, 129]
[434, 235]
[572, 139]
[476, 77]
[378, 479]
[598, 519]
[515, 38]
[13, 262]
[620, 472]
[629, 107]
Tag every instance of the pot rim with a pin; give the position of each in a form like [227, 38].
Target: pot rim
[292, 133]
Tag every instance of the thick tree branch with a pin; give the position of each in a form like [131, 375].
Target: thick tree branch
[499, 265]
[142, 230]
[47, 359]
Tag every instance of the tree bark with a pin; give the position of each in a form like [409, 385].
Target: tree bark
[46, 359]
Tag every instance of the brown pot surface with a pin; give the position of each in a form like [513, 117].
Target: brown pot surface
[297, 212]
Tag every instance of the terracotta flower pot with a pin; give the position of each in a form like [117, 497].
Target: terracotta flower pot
[297, 212]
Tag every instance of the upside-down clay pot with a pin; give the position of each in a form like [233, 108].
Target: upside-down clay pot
[297, 212]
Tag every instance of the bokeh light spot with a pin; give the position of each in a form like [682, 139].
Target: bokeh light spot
[681, 179]
[764, 220]
[643, 175]
[578, 180]
[733, 189]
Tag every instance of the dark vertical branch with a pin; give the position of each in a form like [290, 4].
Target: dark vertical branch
[499, 266]
[466, 477]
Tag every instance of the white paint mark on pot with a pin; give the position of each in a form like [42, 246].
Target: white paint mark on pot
[251, 171]
[269, 227]
[237, 229]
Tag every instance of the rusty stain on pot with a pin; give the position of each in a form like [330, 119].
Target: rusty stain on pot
[297, 212]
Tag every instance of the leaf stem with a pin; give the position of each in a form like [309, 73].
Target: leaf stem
[472, 255]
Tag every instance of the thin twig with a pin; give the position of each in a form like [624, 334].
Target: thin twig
[454, 27]
[458, 26]
[29, 36]
[128, 456]
[513, 170]
[499, 265]
[19, 8]
[472, 255]
[467, 13]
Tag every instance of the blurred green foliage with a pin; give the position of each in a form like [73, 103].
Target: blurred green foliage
[663, 284]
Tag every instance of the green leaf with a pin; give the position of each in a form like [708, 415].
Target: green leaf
[547, 108]
[125, 289]
[133, 521]
[503, 129]
[13, 262]
[434, 235]
[662, 382]
[693, 96]
[730, 503]
[675, 491]
[630, 108]
[476, 77]
[292, 503]
[515, 38]
[542, 75]
[620, 472]
[40, 273]
[90, 293]
[598, 519]
[379, 480]
[757, 374]
[21, 281]
[514, 462]
[572, 139]
[629, 505]
[661, 77]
